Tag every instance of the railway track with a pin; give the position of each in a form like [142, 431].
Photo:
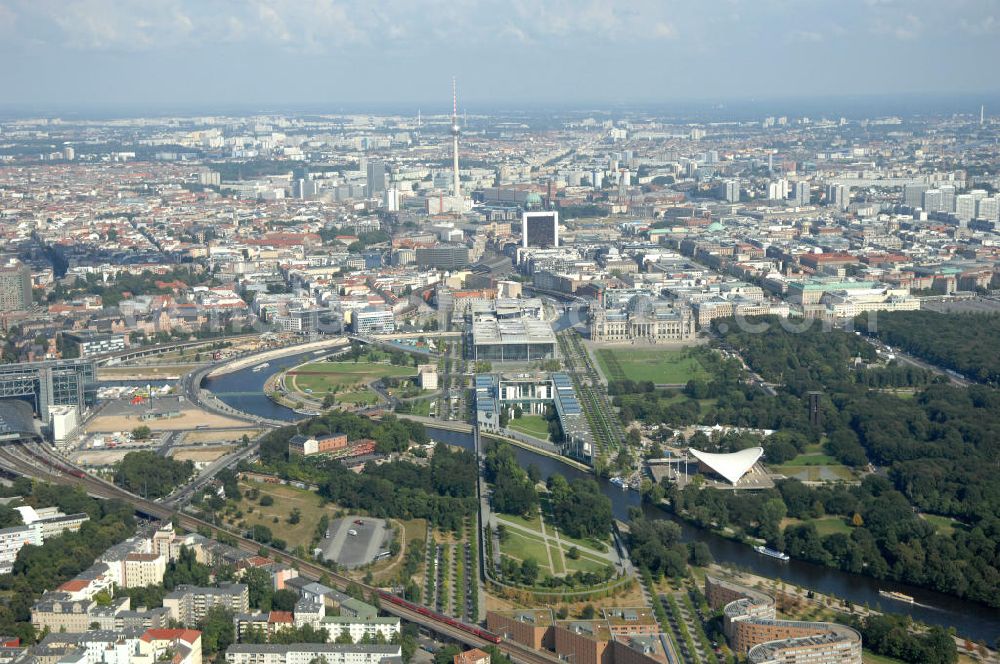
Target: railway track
[41, 463]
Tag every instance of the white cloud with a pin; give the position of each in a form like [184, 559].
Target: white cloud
[664, 30]
[988, 25]
[805, 37]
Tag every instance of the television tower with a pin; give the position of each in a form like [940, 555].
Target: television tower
[455, 131]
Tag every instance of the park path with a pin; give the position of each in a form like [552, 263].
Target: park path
[548, 549]
[605, 555]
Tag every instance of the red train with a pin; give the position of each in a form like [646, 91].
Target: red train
[65, 470]
[448, 620]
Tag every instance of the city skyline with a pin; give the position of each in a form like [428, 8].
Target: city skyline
[90, 53]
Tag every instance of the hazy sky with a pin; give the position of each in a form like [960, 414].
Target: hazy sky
[69, 53]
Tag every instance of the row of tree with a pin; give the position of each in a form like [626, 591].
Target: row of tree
[966, 343]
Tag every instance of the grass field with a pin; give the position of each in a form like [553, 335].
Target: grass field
[286, 498]
[871, 658]
[534, 523]
[813, 460]
[421, 407]
[321, 376]
[533, 425]
[815, 466]
[521, 546]
[585, 564]
[944, 525]
[824, 526]
[365, 397]
[819, 473]
[660, 366]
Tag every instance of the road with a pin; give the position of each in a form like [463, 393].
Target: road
[12, 459]
[904, 358]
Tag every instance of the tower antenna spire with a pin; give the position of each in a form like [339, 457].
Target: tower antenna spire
[455, 130]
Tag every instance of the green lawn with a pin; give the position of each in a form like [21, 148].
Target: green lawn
[831, 525]
[822, 473]
[813, 465]
[824, 526]
[366, 397]
[521, 546]
[585, 564]
[534, 523]
[320, 377]
[533, 425]
[944, 525]
[659, 366]
[420, 407]
[286, 498]
[869, 657]
[813, 460]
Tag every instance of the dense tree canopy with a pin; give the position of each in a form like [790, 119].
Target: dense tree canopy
[966, 343]
[513, 491]
[150, 475]
[60, 558]
[391, 434]
[579, 507]
[890, 635]
[933, 453]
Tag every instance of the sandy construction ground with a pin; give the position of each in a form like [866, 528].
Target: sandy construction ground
[189, 419]
[100, 457]
[209, 436]
[146, 372]
[200, 453]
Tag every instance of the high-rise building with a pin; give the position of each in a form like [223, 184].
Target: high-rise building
[731, 191]
[540, 229]
[210, 178]
[69, 154]
[988, 209]
[376, 178]
[390, 200]
[913, 194]
[932, 201]
[778, 190]
[802, 193]
[965, 208]
[15, 287]
[838, 195]
[443, 256]
[947, 198]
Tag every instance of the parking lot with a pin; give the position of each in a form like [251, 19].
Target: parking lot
[354, 540]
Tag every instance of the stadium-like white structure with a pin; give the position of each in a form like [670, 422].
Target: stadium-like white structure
[731, 466]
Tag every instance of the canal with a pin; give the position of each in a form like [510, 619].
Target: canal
[244, 390]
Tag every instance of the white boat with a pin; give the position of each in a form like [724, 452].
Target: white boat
[899, 597]
[764, 551]
[261, 367]
[620, 483]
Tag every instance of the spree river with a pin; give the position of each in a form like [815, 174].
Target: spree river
[243, 390]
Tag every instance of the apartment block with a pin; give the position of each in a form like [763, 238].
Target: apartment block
[189, 604]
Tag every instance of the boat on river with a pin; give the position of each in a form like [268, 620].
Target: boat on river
[773, 553]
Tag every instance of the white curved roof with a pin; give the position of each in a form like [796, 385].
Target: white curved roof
[732, 466]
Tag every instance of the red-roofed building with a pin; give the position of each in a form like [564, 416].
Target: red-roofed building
[77, 588]
[263, 623]
[474, 656]
[184, 644]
